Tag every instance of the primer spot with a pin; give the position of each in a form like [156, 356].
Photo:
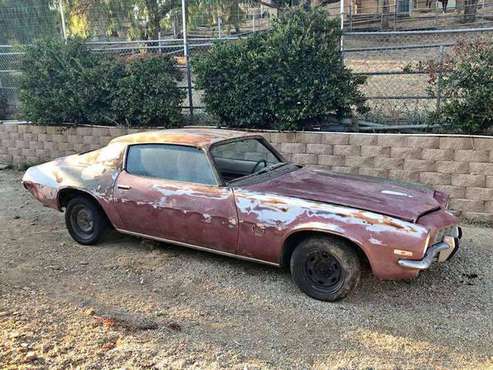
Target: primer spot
[399, 194]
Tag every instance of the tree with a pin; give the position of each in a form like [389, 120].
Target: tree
[23, 21]
[140, 18]
[156, 12]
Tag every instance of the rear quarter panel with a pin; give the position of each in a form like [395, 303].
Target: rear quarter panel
[94, 173]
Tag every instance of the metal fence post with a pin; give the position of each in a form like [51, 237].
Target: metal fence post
[396, 5]
[350, 15]
[219, 22]
[62, 16]
[187, 58]
[341, 14]
[439, 79]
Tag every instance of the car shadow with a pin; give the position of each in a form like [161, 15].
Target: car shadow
[447, 276]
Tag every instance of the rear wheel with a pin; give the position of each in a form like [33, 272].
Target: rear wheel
[325, 269]
[85, 220]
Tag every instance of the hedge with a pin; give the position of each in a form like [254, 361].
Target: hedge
[290, 77]
[467, 84]
[67, 82]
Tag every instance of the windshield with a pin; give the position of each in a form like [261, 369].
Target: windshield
[240, 158]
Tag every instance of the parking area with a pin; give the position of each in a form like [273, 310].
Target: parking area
[134, 303]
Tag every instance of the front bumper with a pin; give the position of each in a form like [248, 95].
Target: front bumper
[442, 252]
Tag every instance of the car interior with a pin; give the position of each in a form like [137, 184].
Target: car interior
[241, 158]
[233, 160]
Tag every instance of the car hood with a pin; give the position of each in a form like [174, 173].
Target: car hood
[402, 200]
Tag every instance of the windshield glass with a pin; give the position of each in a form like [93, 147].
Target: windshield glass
[241, 158]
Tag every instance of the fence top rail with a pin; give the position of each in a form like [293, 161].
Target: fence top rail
[416, 32]
[399, 47]
[163, 41]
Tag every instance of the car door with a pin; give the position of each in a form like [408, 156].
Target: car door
[170, 192]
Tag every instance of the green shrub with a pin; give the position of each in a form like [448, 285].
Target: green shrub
[69, 83]
[147, 94]
[287, 78]
[466, 85]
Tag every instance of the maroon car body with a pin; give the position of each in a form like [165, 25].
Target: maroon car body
[260, 218]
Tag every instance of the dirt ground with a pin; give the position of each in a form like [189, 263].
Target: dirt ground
[130, 303]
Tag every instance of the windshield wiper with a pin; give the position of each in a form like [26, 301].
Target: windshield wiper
[259, 172]
[269, 168]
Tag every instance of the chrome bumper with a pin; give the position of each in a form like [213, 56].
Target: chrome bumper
[450, 245]
[430, 256]
[433, 253]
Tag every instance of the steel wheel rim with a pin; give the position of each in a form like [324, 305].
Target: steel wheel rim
[82, 220]
[324, 271]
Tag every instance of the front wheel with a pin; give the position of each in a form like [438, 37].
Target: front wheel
[325, 269]
[85, 220]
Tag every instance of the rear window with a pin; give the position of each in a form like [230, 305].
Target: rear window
[170, 162]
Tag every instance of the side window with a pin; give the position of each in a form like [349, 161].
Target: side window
[171, 162]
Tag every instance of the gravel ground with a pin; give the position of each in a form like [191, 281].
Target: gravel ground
[139, 304]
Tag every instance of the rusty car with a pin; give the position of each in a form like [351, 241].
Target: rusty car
[233, 193]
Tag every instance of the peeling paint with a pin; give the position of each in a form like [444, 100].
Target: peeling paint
[251, 221]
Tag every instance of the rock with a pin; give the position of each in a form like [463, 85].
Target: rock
[16, 217]
[4, 166]
[30, 357]
[15, 334]
[89, 312]
[108, 346]
[174, 326]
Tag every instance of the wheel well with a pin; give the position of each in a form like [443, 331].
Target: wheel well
[296, 238]
[65, 195]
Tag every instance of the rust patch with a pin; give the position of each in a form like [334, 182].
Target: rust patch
[195, 137]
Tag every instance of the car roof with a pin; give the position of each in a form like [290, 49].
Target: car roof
[198, 137]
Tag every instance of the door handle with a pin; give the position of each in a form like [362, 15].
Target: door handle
[124, 187]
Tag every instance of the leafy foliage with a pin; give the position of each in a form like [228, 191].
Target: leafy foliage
[145, 19]
[23, 21]
[69, 83]
[465, 80]
[288, 78]
[147, 94]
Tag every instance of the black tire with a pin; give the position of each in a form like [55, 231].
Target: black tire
[85, 220]
[325, 269]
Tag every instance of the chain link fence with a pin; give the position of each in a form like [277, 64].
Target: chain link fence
[398, 15]
[397, 95]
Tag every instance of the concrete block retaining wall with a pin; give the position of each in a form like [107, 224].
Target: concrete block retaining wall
[462, 166]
